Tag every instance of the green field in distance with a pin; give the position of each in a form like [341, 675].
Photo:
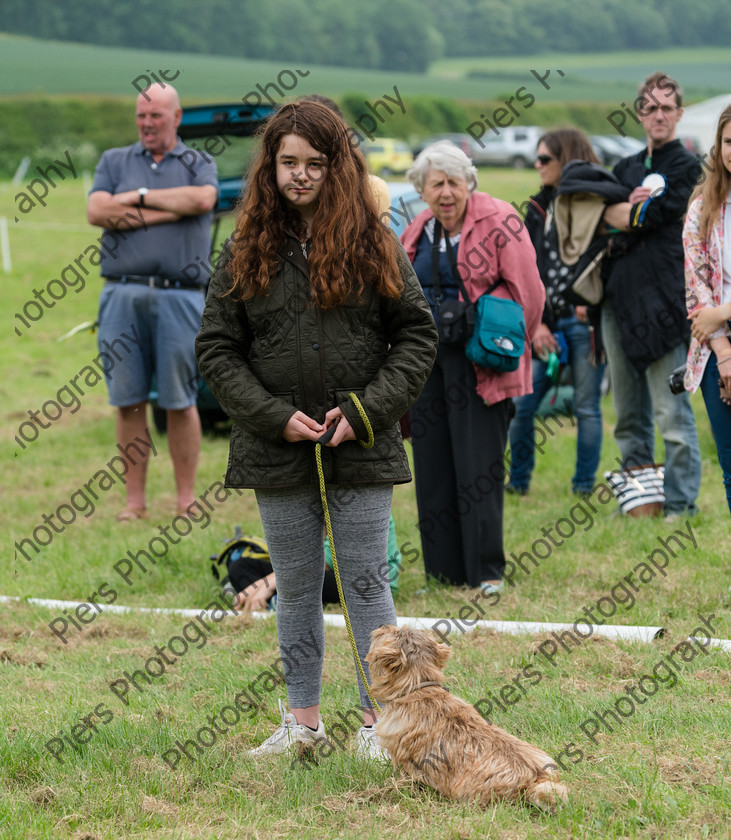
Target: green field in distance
[34, 67]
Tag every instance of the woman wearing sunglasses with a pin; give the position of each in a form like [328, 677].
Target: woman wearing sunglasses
[555, 149]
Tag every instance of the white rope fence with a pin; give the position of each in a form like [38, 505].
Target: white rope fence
[516, 628]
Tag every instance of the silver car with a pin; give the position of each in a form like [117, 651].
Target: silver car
[511, 146]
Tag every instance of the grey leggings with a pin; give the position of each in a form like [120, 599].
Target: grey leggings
[294, 530]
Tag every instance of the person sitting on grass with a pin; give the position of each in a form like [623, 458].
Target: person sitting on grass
[255, 583]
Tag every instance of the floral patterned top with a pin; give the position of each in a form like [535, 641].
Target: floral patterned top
[703, 282]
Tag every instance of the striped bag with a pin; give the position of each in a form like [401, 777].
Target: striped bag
[639, 490]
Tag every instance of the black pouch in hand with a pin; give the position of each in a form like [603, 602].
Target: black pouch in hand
[456, 321]
[455, 318]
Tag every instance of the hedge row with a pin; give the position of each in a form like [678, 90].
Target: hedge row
[425, 115]
[46, 128]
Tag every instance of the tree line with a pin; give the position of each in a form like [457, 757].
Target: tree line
[406, 35]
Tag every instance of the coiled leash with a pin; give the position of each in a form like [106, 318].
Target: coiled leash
[328, 525]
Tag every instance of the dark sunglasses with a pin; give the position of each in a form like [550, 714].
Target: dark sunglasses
[544, 160]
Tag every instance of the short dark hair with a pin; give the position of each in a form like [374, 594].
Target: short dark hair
[567, 144]
[664, 82]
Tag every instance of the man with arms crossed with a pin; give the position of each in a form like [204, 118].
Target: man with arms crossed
[644, 317]
[157, 213]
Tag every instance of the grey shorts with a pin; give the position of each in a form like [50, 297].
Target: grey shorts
[145, 331]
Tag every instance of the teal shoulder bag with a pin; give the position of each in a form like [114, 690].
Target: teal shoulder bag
[497, 340]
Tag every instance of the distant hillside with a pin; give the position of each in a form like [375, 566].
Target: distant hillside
[30, 66]
[57, 97]
[394, 35]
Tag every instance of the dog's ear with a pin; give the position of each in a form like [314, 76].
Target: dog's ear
[443, 652]
[421, 649]
[387, 657]
[381, 634]
[379, 631]
[384, 648]
[438, 653]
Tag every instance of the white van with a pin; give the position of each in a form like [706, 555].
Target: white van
[514, 146]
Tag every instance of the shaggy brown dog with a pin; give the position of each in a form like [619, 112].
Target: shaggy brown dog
[440, 740]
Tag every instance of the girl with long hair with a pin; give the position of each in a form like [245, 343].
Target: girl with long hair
[707, 245]
[314, 320]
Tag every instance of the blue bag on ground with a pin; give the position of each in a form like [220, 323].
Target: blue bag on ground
[498, 339]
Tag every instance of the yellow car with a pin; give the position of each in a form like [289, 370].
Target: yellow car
[387, 156]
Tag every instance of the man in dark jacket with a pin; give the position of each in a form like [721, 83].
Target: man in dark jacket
[644, 319]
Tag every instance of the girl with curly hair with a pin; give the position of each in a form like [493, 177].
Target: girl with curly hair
[314, 319]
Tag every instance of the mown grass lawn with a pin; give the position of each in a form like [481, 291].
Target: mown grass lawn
[663, 771]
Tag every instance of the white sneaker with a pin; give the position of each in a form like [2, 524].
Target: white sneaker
[288, 734]
[368, 746]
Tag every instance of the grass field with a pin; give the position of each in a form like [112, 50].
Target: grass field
[663, 771]
[699, 69]
[31, 67]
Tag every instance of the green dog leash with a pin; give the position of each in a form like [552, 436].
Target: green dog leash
[328, 525]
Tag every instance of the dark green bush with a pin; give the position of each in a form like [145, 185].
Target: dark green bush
[45, 128]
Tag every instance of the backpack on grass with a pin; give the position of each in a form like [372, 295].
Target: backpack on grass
[243, 560]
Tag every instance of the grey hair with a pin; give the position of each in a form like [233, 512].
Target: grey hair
[445, 157]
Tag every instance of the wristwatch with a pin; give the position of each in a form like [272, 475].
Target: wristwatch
[142, 192]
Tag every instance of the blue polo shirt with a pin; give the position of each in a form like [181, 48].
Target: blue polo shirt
[165, 249]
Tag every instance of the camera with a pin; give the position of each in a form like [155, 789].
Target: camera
[675, 380]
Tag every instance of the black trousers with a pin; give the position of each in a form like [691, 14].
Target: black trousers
[459, 464]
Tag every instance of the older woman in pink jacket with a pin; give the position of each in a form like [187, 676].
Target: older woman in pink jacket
[459, 423]
[707, 244]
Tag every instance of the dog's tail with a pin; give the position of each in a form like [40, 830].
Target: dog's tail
[547, 795]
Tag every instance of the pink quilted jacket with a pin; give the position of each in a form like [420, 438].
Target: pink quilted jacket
[495, 243]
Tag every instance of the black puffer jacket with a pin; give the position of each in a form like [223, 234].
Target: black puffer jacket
[270, 356]
[577, 176]
[645, 282]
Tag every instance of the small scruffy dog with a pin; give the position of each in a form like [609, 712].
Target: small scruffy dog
[440, 740]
